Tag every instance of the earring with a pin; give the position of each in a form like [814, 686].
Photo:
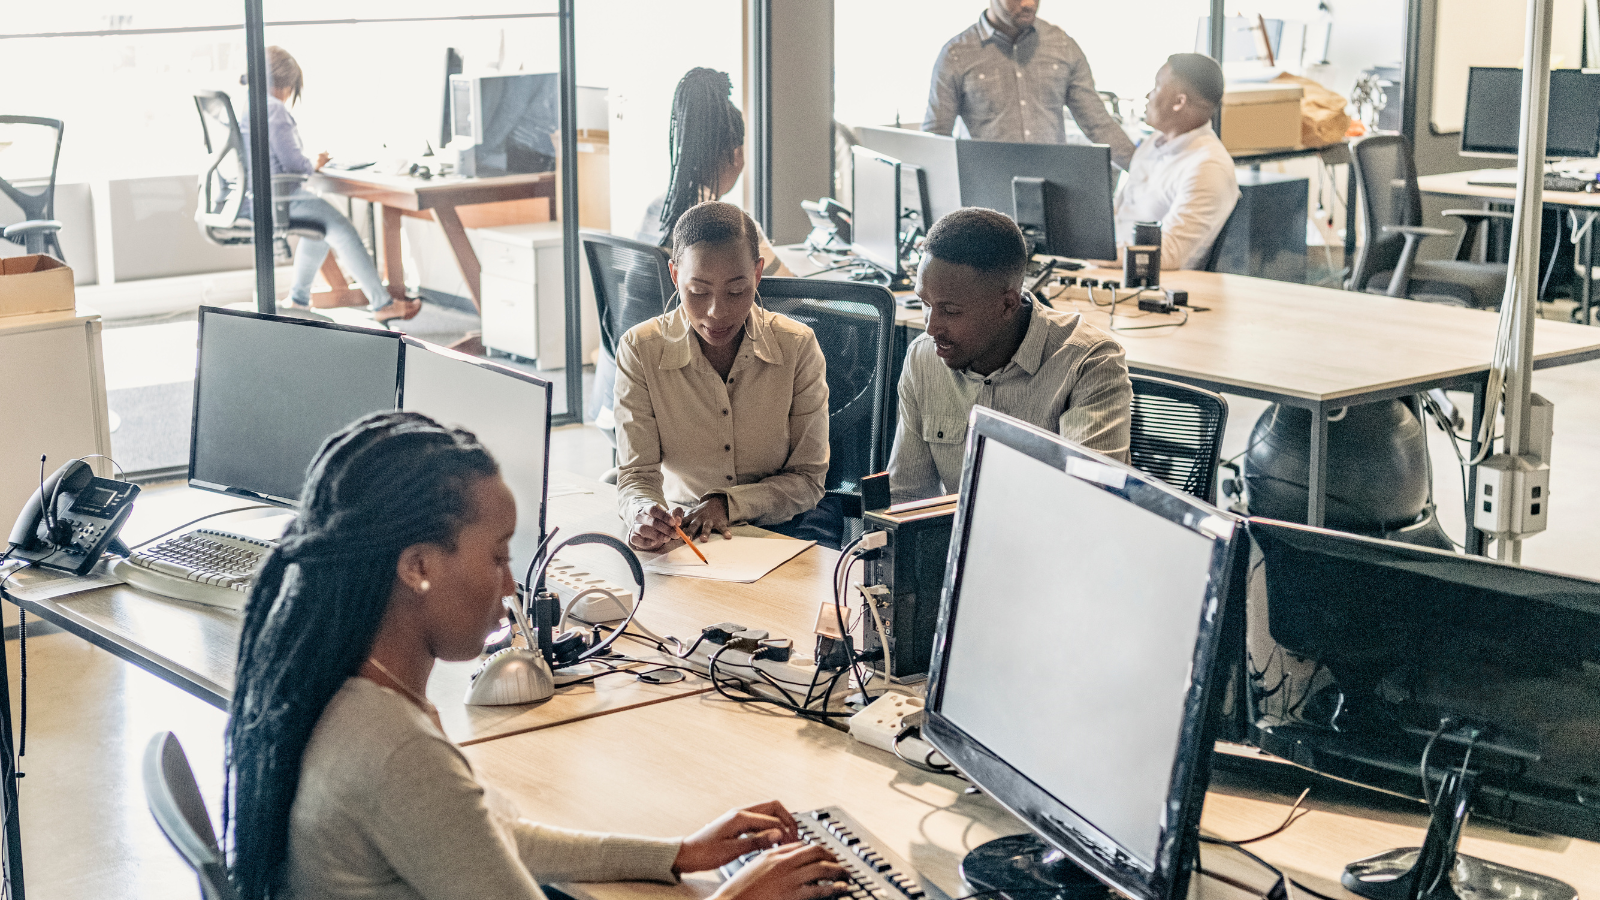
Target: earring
[423, 586]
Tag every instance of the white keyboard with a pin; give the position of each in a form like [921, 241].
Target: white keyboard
[216, 568]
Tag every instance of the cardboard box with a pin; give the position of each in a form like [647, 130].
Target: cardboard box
[35, 284]
[1261, 117]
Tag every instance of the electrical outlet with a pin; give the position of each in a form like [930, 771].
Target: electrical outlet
[1513, 497]
[568, 581]
[885, 718]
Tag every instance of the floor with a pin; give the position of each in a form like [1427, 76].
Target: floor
[87, 832]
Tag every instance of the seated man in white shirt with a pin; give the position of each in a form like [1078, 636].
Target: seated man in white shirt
[1181, 176]
[988, 342]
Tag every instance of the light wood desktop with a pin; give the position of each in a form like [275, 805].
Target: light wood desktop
[456, 203]
[666, 769]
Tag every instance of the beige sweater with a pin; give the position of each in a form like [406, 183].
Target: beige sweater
[388, 809]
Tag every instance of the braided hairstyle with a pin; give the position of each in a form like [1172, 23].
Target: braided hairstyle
[706, 131]
[389, 481]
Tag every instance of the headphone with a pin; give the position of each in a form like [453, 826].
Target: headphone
[572, 646]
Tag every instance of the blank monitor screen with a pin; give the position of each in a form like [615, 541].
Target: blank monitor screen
[875, 209]
[1081, 602]
[1081, 172]
[1493, 122]
[935, 154]
[269, 390]
[508, 410]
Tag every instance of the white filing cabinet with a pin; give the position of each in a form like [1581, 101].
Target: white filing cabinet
[524, 295]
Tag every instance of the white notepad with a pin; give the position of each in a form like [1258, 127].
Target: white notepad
[740, 559]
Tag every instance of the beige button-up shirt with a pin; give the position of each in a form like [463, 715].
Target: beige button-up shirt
[1068, 377]
[683, 434]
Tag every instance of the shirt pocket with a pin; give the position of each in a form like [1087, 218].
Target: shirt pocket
[988, 90]
[944, 430]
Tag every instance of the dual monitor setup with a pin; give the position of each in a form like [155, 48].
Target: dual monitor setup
[1493, 122]
[1099, 631]
[902, 181]
[269, 390]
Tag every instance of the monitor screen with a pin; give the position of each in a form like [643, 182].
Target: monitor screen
[269, 390]
[461, 107]
[1493, 121]
[509, 119]
[508, 410]
[1081, 177]
[875, 212]
[1065, 686]
[934, 154]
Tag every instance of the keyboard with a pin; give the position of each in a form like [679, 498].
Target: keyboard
[1551, 183]
[216, 568]
[874, 873]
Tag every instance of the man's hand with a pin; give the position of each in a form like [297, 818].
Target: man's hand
[708, 518]
[322, 160]
[735, 833]
[652, 528]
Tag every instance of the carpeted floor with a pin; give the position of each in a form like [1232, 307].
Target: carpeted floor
[154, 429]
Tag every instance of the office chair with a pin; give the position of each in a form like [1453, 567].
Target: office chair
[1386, 179]
[631, 285]
[854, 324]
[1177, 434]
[180, 811]
[38, 231]
[1230, 252]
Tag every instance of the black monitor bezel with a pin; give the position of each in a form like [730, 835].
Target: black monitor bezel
[194, 430]
[536, 381]
[1168, 878]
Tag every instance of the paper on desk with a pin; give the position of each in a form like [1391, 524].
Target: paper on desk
[739, 559]
[38, 585]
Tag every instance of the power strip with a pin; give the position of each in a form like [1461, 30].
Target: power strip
[793, 676]
[884, 719]
[569, 580]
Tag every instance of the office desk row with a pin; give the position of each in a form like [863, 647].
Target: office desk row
[663, 759]
[1310, 347]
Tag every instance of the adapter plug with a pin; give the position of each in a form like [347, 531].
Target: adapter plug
[1177, 297]
[776, 649]
[1089, 282]
[1155, 304]
[719, 634]
[1110, 285]
[742, 644]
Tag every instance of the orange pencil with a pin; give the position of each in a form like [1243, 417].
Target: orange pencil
[685, 537]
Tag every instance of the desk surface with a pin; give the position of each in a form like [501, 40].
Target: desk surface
[1455, 184]
[1294, 342]
[196, 646]
[669, 768]
[408, 192]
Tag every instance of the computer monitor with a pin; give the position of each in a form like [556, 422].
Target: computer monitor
[507, 409]
[1077, 191]
[916, 210]
[1073, 666]
[1370, 661]
[875, 210]
[268, 390]
[934, 154]
[1493, 122]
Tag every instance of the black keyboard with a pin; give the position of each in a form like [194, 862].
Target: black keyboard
[875, 873]
[1562, 183]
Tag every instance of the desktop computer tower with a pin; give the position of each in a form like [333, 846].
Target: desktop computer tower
[908, 573]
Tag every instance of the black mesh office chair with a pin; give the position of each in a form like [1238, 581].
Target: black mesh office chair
[25, 144]
[176, 805]
[1177, 434]
[225, 180]
[854, 324]
[1386, 178]
[1230, 252]
[631, 283]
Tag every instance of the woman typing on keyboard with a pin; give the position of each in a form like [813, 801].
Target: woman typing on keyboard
[340, 780]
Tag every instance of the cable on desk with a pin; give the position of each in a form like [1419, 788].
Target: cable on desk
[199, 520]
[1279, 890]
[721, 688]
[1295, 815]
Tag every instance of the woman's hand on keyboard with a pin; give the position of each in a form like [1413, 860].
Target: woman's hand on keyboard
[735, 833]
[790, 872]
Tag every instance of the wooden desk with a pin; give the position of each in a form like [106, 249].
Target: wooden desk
[1458, 184]
[439, 199]
[670, 768]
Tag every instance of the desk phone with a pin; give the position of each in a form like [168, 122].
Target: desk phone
[72, 519]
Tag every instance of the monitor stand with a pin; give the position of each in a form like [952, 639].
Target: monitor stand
[1435, 871]
[1023, 867]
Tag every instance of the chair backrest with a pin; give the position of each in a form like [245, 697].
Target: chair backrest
[177, 807]
[1177, 433]
[1230, 252]
[631, 283]
[854, 323]
[30, 153]
[1386, 183]
[223, 178]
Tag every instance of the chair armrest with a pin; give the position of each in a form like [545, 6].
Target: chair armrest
[1478, 214]
[1420, 231]
[32, 226]
[850, 503]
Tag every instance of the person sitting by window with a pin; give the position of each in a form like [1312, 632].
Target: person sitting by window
[722, 406]
[341, 782]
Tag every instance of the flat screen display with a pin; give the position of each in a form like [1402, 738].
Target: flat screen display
[1493, 122]
[875, 212]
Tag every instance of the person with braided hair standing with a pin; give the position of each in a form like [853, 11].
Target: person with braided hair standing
[340, 782]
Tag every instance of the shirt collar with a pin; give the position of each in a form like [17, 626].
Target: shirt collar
[1182, 141]
[1030, 354]
[989, 33]
[682, 347]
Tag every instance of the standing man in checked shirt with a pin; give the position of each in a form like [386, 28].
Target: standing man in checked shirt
[1008, 77]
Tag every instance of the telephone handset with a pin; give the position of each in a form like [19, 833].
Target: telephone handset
[72, 519]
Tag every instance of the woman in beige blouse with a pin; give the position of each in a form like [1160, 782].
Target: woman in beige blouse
[722, 406]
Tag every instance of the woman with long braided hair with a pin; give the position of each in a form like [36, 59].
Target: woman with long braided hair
[340, 781]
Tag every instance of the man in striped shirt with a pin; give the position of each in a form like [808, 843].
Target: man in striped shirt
[990, 343]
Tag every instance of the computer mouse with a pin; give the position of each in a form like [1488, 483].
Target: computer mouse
[509, 677]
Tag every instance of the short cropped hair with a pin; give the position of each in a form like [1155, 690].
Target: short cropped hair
[981, 238]
[1201, 73]
[715, 222]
